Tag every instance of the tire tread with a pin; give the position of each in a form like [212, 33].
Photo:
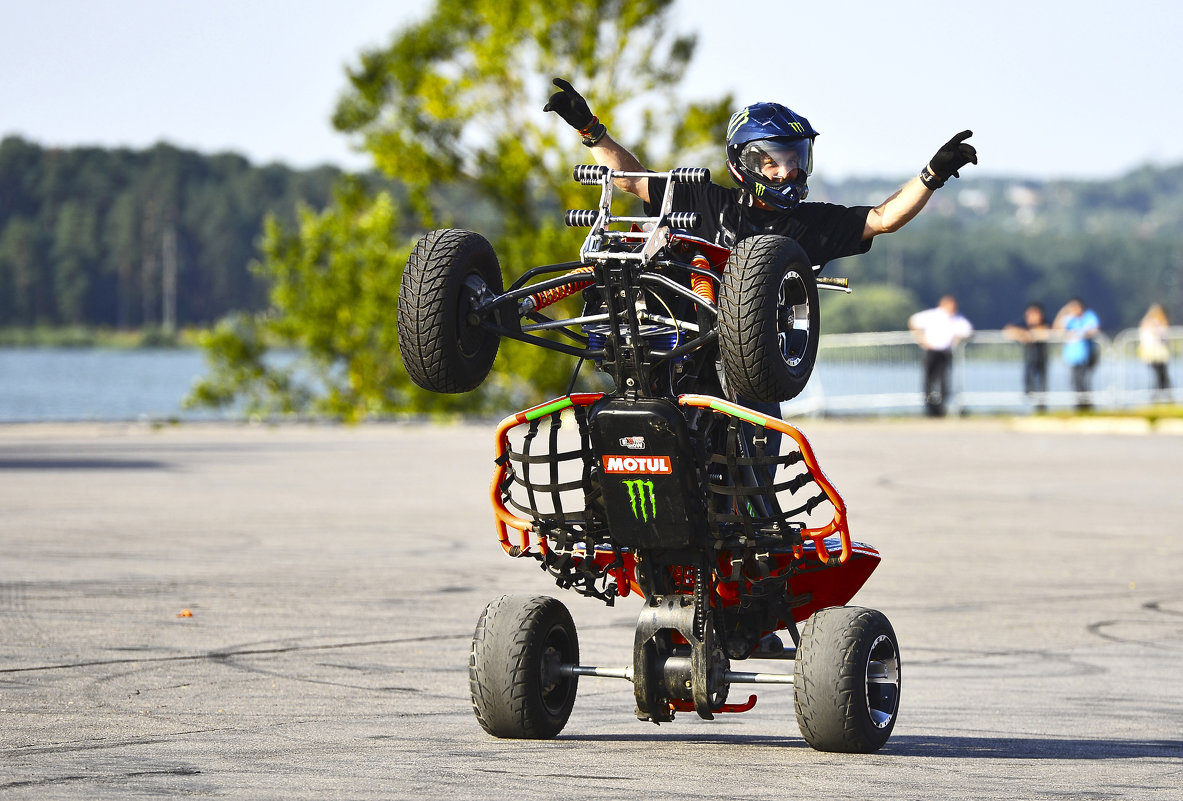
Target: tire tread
[829, 689]
[501, 673]
[424, 317]
[751, 358]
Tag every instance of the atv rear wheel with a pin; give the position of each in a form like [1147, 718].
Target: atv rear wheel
[444, 347]
[513, 670]
[847, 680]
[768, 319]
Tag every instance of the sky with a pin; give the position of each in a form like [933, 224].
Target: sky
[1051, 88]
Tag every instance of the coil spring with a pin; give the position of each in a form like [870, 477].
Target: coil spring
[702, 285]
[554, 294]
[663, 339]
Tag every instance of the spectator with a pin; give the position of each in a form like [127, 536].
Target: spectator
[1152, 349]
[1080, 326]
[1033, 332]
[938, 330]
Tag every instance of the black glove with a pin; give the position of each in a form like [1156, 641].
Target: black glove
[952, 156]
[570, 105]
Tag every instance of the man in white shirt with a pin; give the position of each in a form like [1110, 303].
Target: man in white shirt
[938, 330]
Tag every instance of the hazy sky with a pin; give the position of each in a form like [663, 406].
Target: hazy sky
[1051, 89]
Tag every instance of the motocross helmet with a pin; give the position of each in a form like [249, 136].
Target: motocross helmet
[770, 154]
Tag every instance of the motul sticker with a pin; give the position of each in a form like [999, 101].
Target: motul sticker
[645, 465]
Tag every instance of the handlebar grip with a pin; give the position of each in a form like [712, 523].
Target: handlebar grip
[581, 218]
[685, 219]
[589, 174]
[690, 175]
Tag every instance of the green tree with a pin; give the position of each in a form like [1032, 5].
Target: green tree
[451, 109]
[82, 231]
[74, 252]
[871, 307]
[22, 299]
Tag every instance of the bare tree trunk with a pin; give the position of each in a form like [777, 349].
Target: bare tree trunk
[148, 263]
[168, 281]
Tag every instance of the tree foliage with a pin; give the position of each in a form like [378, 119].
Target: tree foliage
[872, 307]
[998, 243]
[83, 232]
[451, 109]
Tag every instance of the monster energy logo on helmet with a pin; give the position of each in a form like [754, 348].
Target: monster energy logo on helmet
[737, 119]
[642, 498]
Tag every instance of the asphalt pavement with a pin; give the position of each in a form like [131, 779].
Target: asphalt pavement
[285, 612]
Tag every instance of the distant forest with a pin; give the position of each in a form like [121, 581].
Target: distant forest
[997, 243]
[130, 239]
[164, 237]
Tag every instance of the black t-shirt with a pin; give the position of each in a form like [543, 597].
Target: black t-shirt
[825, 231]
[1035, 350]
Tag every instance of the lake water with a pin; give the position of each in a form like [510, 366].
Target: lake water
[64, 384]
[39, 384]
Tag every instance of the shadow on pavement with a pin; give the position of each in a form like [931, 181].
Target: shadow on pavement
[938, 747]
[35, 463]
[1031, 748]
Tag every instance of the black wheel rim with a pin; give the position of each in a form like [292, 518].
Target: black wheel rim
[883, 681]
[556, 688]
[793, 319]
[470, 337]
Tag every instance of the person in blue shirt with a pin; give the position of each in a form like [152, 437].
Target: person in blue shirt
[1080, 327]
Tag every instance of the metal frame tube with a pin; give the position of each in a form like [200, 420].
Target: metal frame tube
[731, 676]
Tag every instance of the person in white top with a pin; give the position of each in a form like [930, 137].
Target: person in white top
[1154, 349]
[938, 330]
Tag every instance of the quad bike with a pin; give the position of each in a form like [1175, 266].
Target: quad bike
[670, 486]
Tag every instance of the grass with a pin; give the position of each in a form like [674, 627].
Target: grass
[88, 337]
[1164, 411]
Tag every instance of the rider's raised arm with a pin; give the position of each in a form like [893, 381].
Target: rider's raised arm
[893, 213]
[571, 106]
[613, 156]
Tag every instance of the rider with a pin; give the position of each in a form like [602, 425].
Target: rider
[770, 156]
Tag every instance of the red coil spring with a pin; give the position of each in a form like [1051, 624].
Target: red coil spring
[703, 286]
[548, 296]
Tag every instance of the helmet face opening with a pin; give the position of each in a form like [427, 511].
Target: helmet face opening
[778, 161]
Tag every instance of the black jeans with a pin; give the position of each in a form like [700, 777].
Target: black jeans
[1035, 379]
[1081, 379]
[936, 381]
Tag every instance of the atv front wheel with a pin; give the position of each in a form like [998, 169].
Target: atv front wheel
[768, 319]
[846, 684]
[444, 347]
[518, 690]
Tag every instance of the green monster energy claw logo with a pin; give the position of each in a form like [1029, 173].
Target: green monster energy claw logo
[638, 490]
[737, 119]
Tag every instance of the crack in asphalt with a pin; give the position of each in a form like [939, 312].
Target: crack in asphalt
[52, 780]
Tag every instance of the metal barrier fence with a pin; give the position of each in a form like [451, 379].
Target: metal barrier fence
[882, 373]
